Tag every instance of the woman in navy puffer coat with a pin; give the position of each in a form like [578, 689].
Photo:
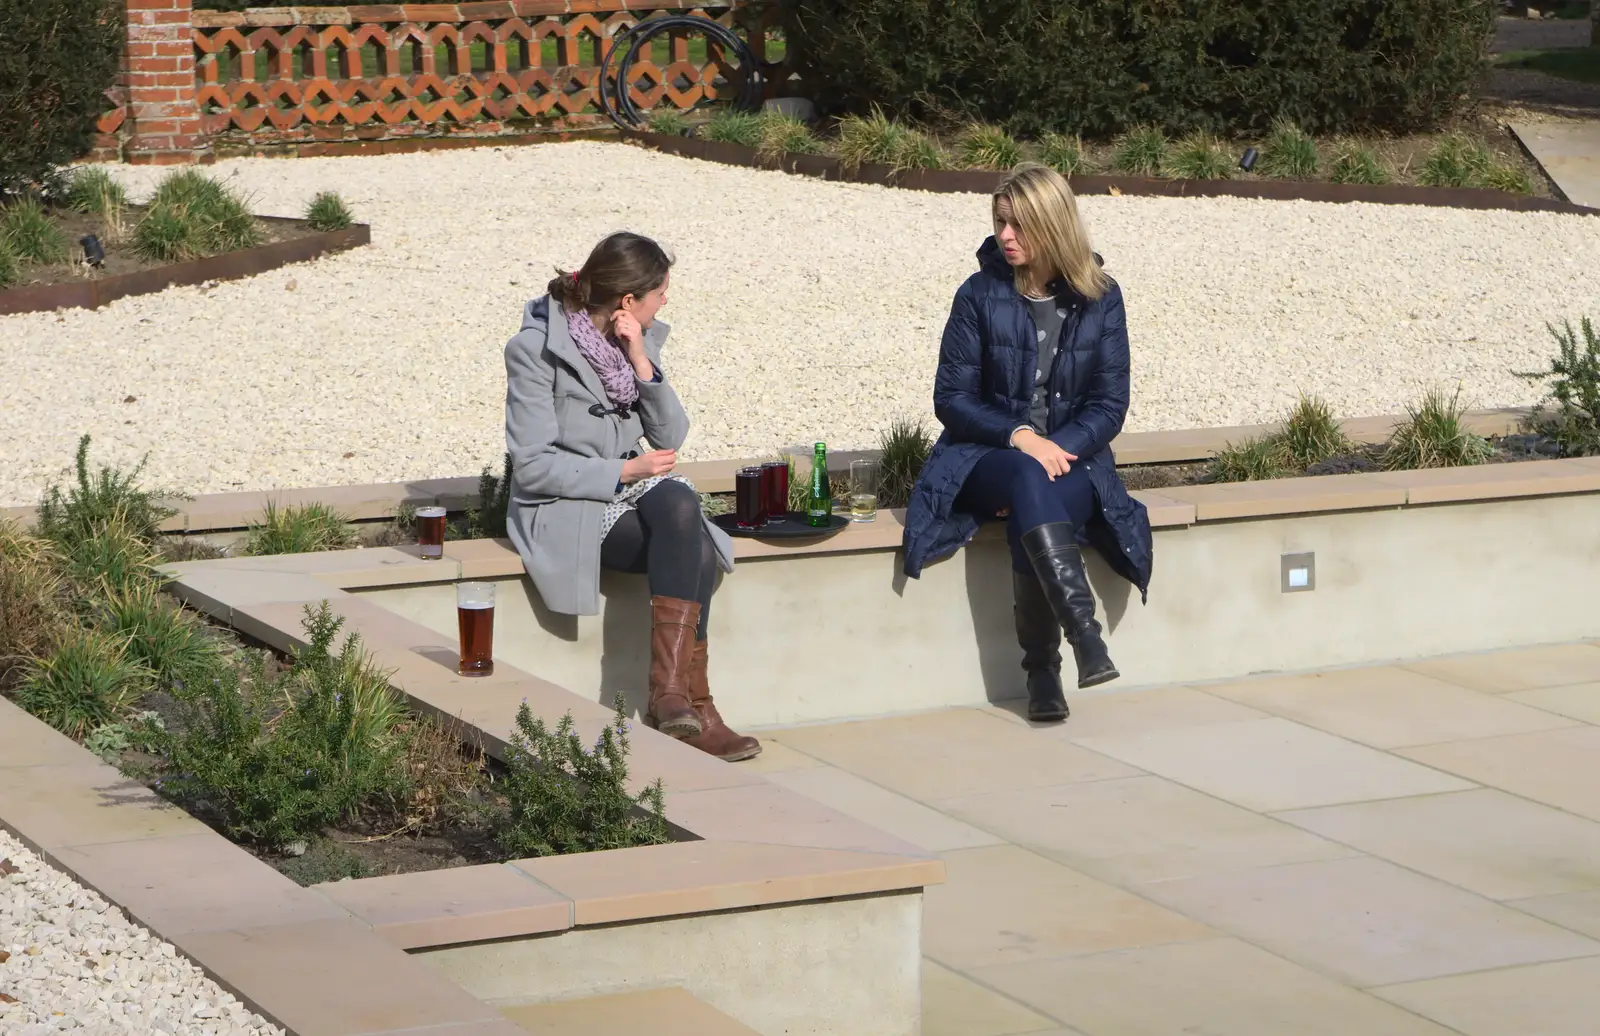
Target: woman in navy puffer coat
[1032, 387]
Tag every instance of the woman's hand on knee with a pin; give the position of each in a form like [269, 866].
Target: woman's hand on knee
[649, 465]
[1055, 461]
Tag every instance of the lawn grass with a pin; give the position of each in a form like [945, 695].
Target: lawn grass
[1579, 64]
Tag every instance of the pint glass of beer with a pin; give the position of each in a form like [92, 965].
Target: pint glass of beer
[430, 532]
[475, 614]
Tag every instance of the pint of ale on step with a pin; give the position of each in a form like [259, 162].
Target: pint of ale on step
[430, 532]
[475, 614]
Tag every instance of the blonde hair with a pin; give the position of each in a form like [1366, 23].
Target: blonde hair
[1044, 209]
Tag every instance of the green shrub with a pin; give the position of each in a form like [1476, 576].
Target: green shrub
[669, 121]
[1289, 153]
[487, 521]
[1199, 157]
[1253, 460]
[1432, 436]
[731, 126]
[88, 506]
[1353, 162]
[988, 147]
[31, 234]
[34, 617]
[1098, 68]
[905, 448]
[564, 799]
[95, 192]
[192, 215]
[160, 635]
[328, 213]
[1573, 380]
[1456, 161]
[88, 682]
[299, 530]
[1311, 434]
[782, 135]
[1141, 151]
[1064, 154]
[57, 59]
[273, 758]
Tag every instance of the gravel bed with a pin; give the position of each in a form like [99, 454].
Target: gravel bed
[801, 309]
[71, 962]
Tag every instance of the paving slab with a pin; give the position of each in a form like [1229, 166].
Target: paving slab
[1569, 153]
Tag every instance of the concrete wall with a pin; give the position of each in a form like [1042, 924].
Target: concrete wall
[813, 969]
[830, 636]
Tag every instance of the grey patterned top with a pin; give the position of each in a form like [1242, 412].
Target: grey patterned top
[1048, 316]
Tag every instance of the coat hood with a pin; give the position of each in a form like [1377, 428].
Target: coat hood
[536, 314]
[992, 260]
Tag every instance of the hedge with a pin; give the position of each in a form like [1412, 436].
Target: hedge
[1099, 67]
[57, 59]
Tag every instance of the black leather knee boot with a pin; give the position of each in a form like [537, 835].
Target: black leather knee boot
[1039, 635]
[1053, 549]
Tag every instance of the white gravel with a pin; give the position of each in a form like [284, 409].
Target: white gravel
[77, 965]
[800, 309]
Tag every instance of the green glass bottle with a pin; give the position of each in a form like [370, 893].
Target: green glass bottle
[819, 505]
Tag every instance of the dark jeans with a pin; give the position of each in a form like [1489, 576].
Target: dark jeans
[1010, 479]
[665, 538]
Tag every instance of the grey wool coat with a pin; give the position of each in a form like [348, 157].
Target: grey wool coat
[567, 455]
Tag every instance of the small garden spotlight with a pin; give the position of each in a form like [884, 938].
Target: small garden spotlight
[94, 253]
[1247, 161]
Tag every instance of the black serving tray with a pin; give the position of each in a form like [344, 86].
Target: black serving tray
[793, 529]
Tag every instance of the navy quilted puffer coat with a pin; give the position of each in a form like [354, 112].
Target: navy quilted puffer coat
[983, 392]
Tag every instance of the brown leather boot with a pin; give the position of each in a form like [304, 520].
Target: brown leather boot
[672, 628]
[716, 737]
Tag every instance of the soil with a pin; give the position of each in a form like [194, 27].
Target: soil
[118, 244]
[1508, 449]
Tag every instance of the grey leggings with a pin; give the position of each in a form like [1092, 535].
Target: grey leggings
[665, 539]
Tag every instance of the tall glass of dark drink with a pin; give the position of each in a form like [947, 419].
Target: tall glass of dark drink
[430, 532]
[750, 507]
[775, 490]
[475, 614]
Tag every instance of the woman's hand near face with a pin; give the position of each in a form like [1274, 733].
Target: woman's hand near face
[649, 465]
[631, 335]
[1054, 459]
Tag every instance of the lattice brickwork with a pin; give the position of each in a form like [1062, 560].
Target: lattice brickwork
[379, 72]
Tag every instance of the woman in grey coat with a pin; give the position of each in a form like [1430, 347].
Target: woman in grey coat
[583, 385]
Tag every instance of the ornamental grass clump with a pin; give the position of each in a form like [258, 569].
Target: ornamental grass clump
[982, 146]
[191, 216]
[31, 234]
[1456, 161]
[328, 213]
[785, 135]
[1434, 436]
[34, 613]
[879, 140]
[94, 192]
[159, 634]
[905, 447]
[87, 682]
[1141, 151]
[1311, 435]
[731, 126]
[1289, 153]
[1353, 162]
[1063, 153]
[299, 530]
[1199, 157]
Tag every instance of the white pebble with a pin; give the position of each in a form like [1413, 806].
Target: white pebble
[800, 310]
[60, 985]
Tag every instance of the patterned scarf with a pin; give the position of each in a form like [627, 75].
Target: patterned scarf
[607, 359]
